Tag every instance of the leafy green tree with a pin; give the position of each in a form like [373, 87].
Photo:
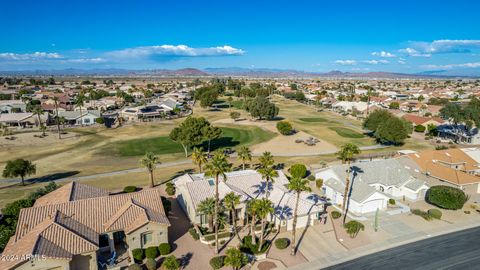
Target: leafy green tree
[171, 263]
[235, 115]
[217, 167]
[19, 168]
[393, 130]
[375, 118]
[199, 157]
[346, 154]
[231, 200]
[284, 127]
[394, 105]
[261, 108]
[264, 207]
[298, 170]
[150, 161]
[210, 133]
[190, 132]
[208, 98]
[207, 207]
[245, 155]
[297, 185]
[235, 258]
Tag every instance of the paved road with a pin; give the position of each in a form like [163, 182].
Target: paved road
[459, 250]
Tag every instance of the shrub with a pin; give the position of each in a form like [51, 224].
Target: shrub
[467, 212]
[100, 121]
[164, 248]
[319, 183]
[151, 264]
[217, 262]
[247, 245]
[353, 228]
[311, 177]
[282, 243]
[129, 189]
[446, 197]
[435, 213]
[194, 233]
[134, 267]
[235, 115]
[420, 128]
[421, 213]
[138, 254]
[170, 190]
[284, 127]
[171, 263]
[336, 214]
[151, 252]
[391, 201]
[298, 170]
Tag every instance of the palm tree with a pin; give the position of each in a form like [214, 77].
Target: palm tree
[43, 128]
[79, 102]
[57, 120]
[150, 161]
[245, 155]
[264, 207]
[346, 153]
[252, 209]
[199, 157]
[207, 207]
[37, 110]
[268, 173]
[297, 185]
[231, 200]
[218, 166]
[266, 159]
[235, 258]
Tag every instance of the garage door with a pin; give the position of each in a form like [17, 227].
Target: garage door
[371, 206]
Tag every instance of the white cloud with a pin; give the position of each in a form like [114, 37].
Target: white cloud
[401, 62]
[175, 50]
[86, 60]
[451, 66]
[375, 62]
[29, 56]
[383, 54]
[346, 62]
[426, 49]
[413, 52]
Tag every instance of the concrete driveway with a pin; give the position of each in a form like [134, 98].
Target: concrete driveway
[318, 241]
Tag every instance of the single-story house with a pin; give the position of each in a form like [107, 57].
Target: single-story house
[423, 121]
[372, 184]
[80, 227]
[88, 117]
[21, 119]
[192, 189]
[9, 106]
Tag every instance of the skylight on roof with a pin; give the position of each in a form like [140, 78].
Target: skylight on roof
[211, 182]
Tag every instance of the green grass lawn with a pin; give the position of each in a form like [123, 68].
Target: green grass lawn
[231, 137]
[313, 119]
[347, 133]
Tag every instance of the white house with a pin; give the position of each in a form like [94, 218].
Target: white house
[373, 183]
[192, 189]
[75, 117]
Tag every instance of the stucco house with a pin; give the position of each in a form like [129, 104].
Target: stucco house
[373, 183]
[192, 189]
[76, 117]
[79, 227]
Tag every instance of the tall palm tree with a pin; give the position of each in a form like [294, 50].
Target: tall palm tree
[268, 174]
[37, 110]
[218, 166]
[150, 161]
[199, 157]
[266, 159]
[207, 207]
[79, 103]
[251, 208]
[297, 185]
[57, 120]
[244, 154]
[346, 153]
[231, 200]
[264, 207]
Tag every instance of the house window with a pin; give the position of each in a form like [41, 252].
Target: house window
[203, 219]
[103, 240]
[86, 120]
[146, 238]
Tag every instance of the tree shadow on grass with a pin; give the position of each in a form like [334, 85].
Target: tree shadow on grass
[52, 177]
[219, 143]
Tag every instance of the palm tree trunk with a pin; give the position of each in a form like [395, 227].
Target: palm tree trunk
[152, 184]
[261, 235]
[23, 180]
[345, 195]
[243, 165]
[57, 120]
[267, 192]
[209, 146]
[215, 217]
[200, 167]
[210, 222]
[235, 224]
[81, 117]
[252, 229]
[294, 243]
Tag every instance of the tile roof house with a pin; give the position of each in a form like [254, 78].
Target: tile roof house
[372, 183]
[88, 117]
[192, 189]
[421, 120]
[453, 166]
[73, 226]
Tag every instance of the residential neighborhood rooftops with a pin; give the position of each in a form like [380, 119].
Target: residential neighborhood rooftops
[71, 192]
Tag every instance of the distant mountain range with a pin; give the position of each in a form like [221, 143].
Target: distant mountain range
[237, 71]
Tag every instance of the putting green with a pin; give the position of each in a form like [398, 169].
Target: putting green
[347, 133]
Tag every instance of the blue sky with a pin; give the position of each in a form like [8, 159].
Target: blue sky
[395, 35]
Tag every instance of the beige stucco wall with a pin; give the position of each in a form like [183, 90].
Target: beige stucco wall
[159, 235]
[47, 264]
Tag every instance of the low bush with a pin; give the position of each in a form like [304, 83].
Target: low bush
[353, 228]
[282, 243]
[100, 121]
[194, 233]
[423, 214]
[170, 190]
[284, 127]
[151, 252]
[220, 235]
[298, 170]
[138, 254]
[248, 247]
[446, 197]
[164, 248]
[419, 128]
[319, 183]
[129, 189]
[435, 213]
[217, 262]
[391, 201]
[311, 177]
[135, 267]
[151, 264]
[336, 214]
